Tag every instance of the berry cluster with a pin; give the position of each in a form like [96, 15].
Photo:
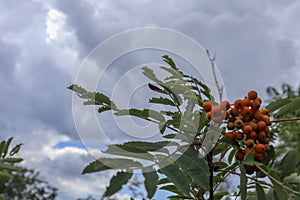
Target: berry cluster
[246, 123]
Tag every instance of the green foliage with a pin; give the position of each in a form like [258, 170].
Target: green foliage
[285, 104]
[18, 182]
[27, 184]
[183, 171]
[7, 161]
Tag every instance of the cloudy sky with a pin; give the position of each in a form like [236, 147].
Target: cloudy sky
[43, 43]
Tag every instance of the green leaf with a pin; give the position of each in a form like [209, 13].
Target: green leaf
[156, 89]
[249, 159]
[180, 197]
[150, 74]
[128, 151]
[292, 179]
[170, 61]
[156, 115]
[103, 109]
[194, 166]
[141, 113]
[288, 108]
[110, 163]
[288, 163]
[176, 74]
[4, 176]
[77, 89]
[231, 155]
[13, 160]
[5, 147]
[8, 167]
[243, 182]
[279, 191]
[150, 146]
[162, 100]
[260, 193]
[163, 181]
[151, 181]
[15, 150]
[170, 136]
[1, 147]
[278, 103]
[162, 127]
[93, 98]
[177, 177]
[171, 188]
[117, 182]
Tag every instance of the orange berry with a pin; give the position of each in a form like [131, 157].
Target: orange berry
[267, 130]
[249, 143]
[267, 147]
[248, 150]
[256, 104]
[227, 114]
[259, 156]
[217, 119]
[247, 129]
[258, 116]
[230, 125]
[207, 106]
[215, 112]
[253, 125]
[252, 135]
[239, 155]
[238, 104]
[261, 125]
[225, 105]
[229, 135]
[239, 136]
[238, 123]
[246, 118]
[246, 102]
[266, 119]
[208, 115]
[245, 111]
[260, 148]
[256, 168]
[249, 169]
[261, 136]
[252, 94]
[265, 111]
[234, 112]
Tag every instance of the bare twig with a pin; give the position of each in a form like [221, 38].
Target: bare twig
[285, 120]
[213, 66]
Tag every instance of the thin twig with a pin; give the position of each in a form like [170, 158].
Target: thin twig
[276, 181]
[212, 63]
[158, 122]
[285, 120]
[239, 174]
[211, 175]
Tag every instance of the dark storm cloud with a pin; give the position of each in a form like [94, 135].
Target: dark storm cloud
[245, 35]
